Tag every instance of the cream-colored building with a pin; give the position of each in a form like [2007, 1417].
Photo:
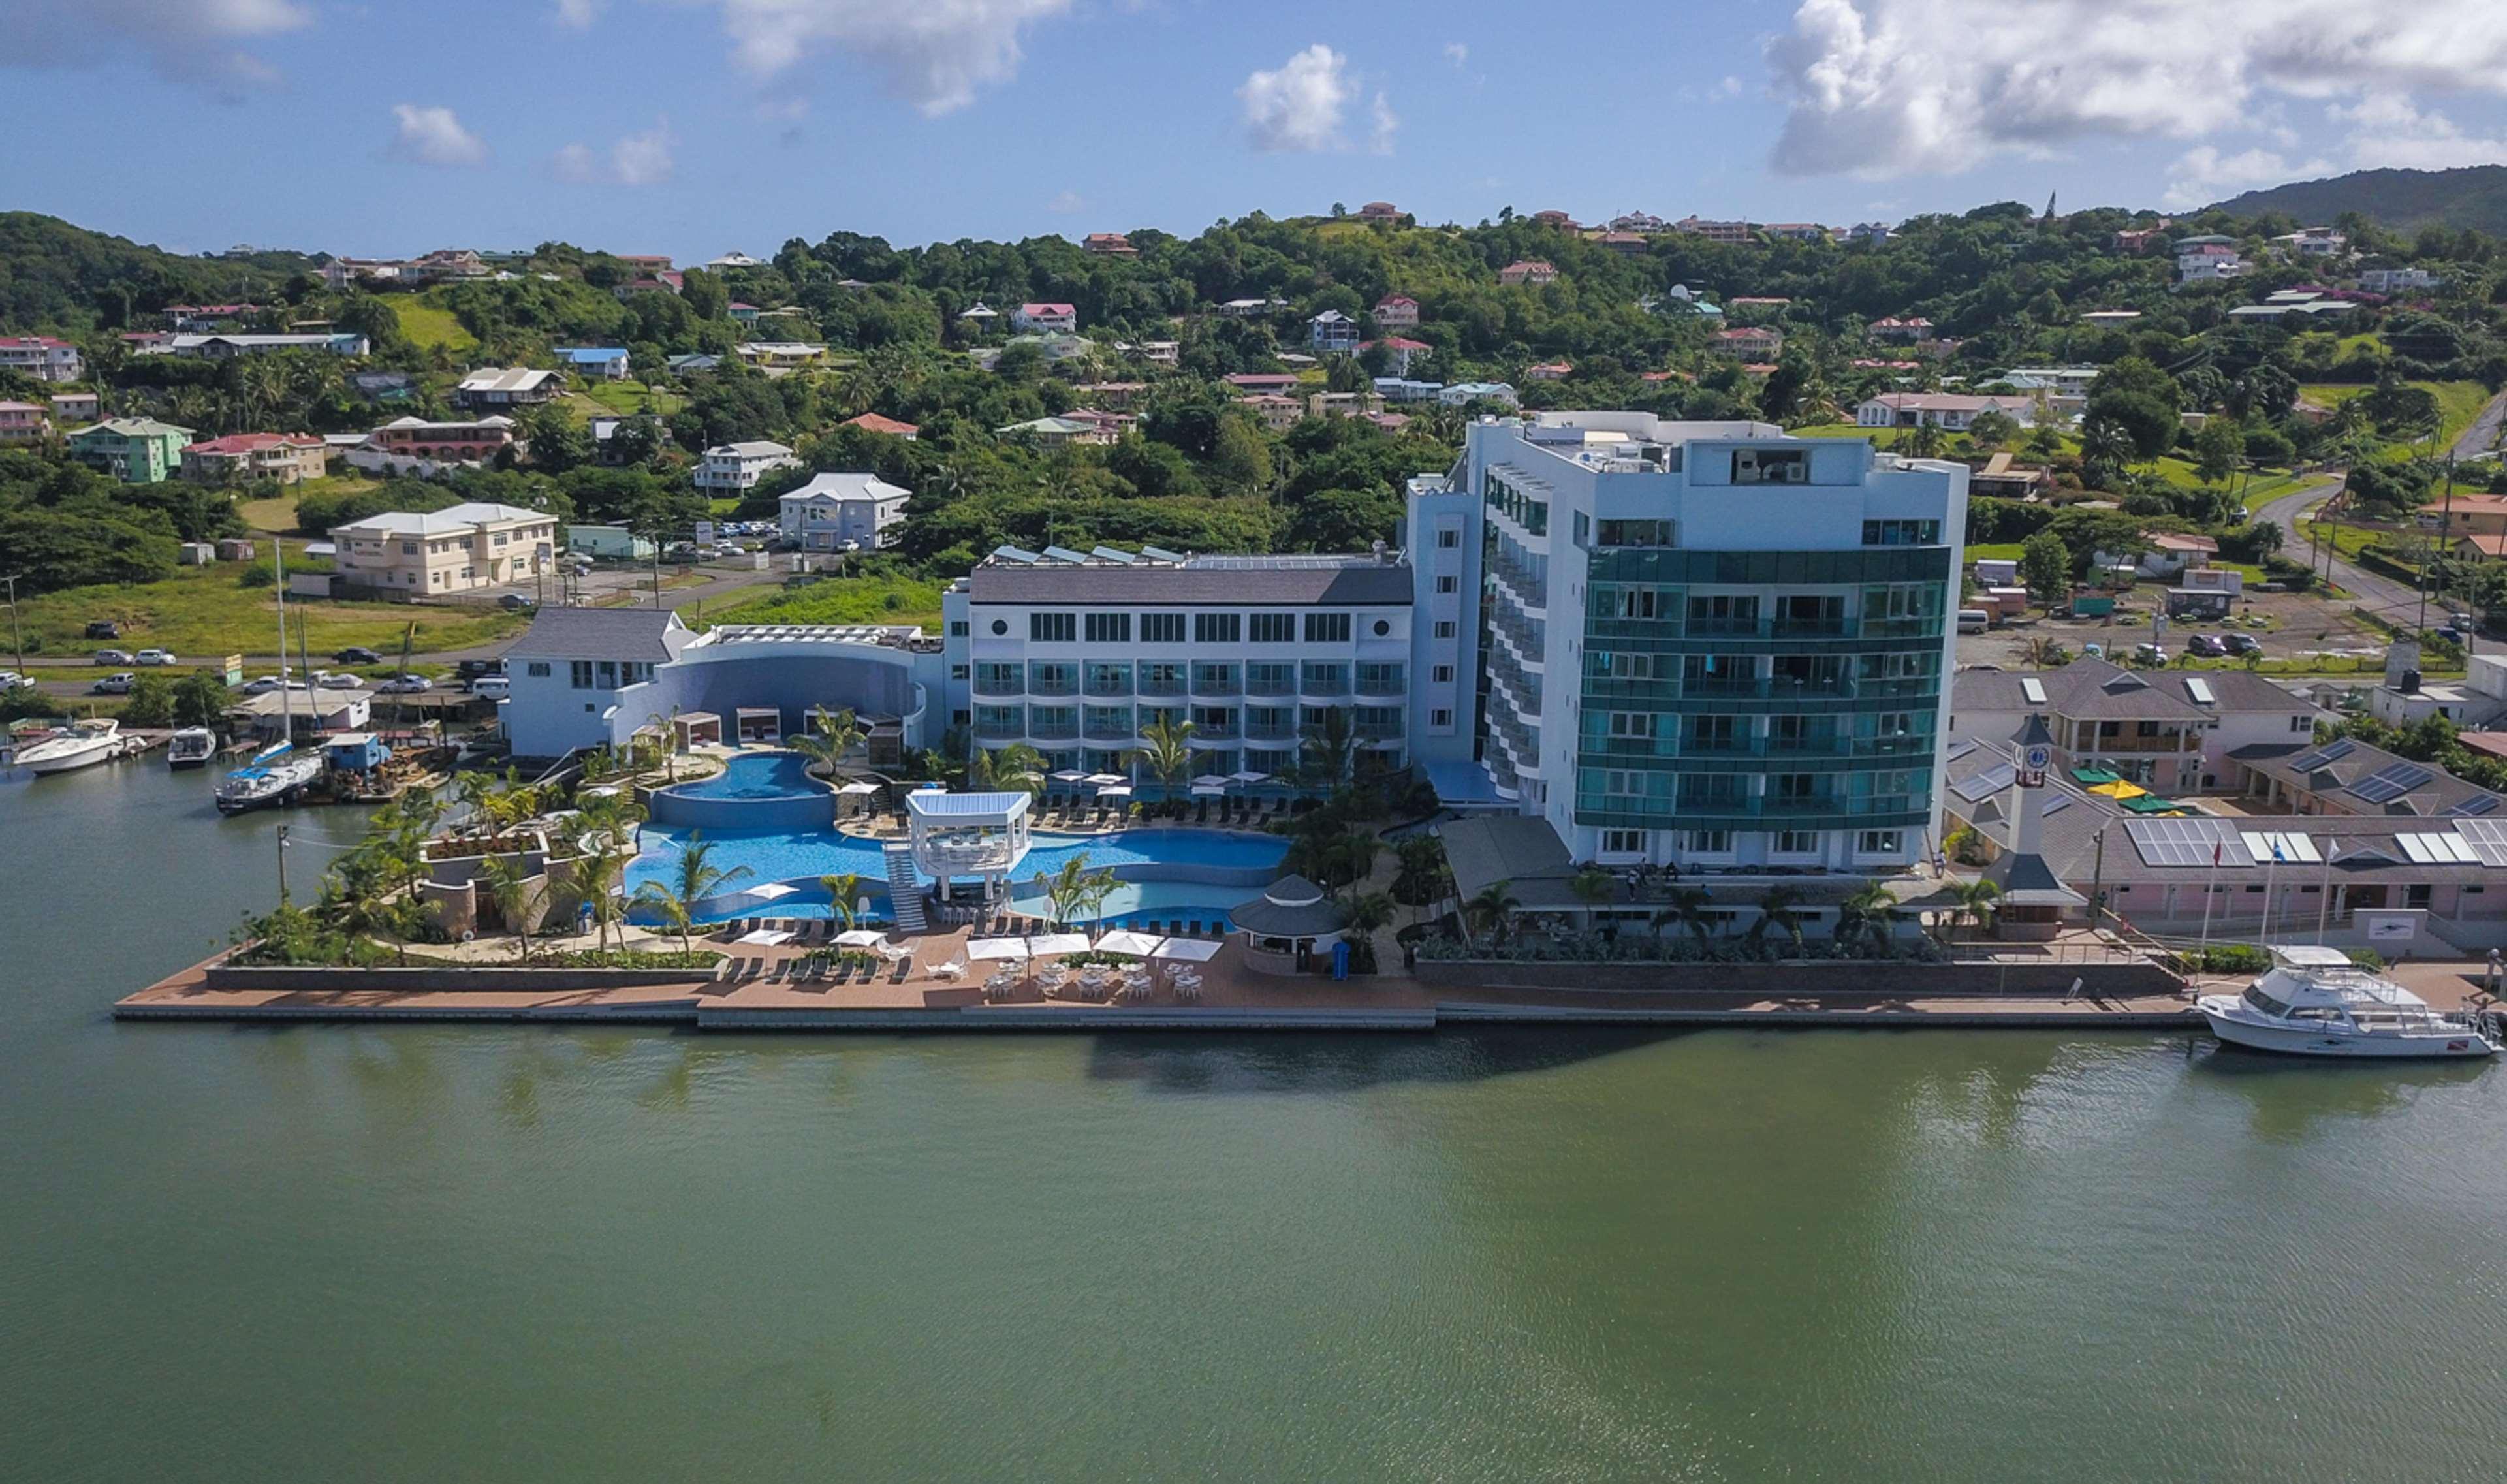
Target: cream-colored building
[446, 551]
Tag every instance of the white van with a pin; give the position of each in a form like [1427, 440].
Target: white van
[491, 687]
[1974, 621]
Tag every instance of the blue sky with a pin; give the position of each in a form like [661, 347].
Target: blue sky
[693, 127]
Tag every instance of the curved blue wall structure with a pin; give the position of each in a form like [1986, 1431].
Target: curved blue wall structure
[758, 791]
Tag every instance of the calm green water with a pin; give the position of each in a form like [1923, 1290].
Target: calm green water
[461, 1252]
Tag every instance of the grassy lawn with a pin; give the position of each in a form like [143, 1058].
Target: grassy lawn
[2458, 403]
[269, 517]
[838, 600]
[428, 325]
[1995, 551]
[204, 614]
[2347, 541]
[2264, 492]
[624, 398]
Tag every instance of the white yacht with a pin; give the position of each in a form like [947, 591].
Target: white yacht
[276, 775]
[2315, 1002]
[87, 742]
[191, 747]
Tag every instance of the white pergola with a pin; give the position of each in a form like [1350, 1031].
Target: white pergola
[982, 835]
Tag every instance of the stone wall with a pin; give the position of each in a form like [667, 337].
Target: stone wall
[1909, 981]
[481, 979]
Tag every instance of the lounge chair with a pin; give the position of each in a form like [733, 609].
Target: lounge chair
[775, 975]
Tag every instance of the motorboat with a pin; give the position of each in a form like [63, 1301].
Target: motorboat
[191, 747]
[276, 775]
[88, 741]
[2315, 1002]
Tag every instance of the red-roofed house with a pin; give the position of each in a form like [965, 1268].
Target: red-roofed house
[1547, 370]
[42, 357]
[876, 423]
[1533, 271]
[1379, 211]
[1559, 219]
[1633, 243]
[23, 423]
[1258, 383]
[1398, 353]
[1279, 414]
[239, 459]
[1396, 311]
[1903, 331]
[1110, 245]
[1752, 342]
[1051, 318]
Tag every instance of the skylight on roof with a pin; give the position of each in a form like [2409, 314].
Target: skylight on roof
[2034, 689]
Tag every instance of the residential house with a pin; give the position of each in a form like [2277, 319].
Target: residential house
[1549, 371]
[600, 362]
[1631, 244]
[2109, 320]
[742, 314]
[1559, 219]
[1253, 382]
[1797, 231]
[1404, 389]
[1054, 346]
[2173, 732]
[734, 259]
[499, 386]
[1053, 432]
[416, 445]
[1252, 309]
[442, 552]
[1533, 271]
[608, 543]
[1400, 351]
[979, 315]
[2296, 304]
[1463, 393]
[1730, 234]
[23, 423]
[2312, 242]
[1639, 222]
[1115, 394]
[240, 458]
[2474, 523]
[1750, 342]
[1396, 311]
[383, 385]
[658, 284]
[76, 406]
[1279, 414]
[2140, 239]
[842, 512]
[647, 262]
[735, 468]
[2169, 553]
[781, 354]
[137, 450]
[1941, 409]
[42, 357]
[1874, 232]
[2396, 280]
[1753, 305]
[2000, 478]
[226, 347]
[1046, 319]
[1903, 330]
[1153, 352]
[690, 362]
[1331, 331]
[2208, 260]
[1379, 211]
[1110, 245]
[208, 317]
[873, 422]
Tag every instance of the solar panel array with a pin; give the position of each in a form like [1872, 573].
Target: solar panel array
[2293, 848]
[1985, 784]
[2391, 782]
[2473, 808]
[2187, 842]
[2331, 752]
[2439, 850]
[2487, 839]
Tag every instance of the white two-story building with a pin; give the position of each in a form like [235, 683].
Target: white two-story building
[842, 512]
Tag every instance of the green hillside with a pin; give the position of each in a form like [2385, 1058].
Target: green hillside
[2400, 201]
[61, 277]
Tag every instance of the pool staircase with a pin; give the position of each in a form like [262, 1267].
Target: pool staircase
[904, 893]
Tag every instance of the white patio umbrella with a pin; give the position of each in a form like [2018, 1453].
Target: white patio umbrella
[1210, 790]
[766, 937]
[1209, 781]
[1116, 791]
[1130, 944]
[1187, 950]
[861, 937]
[1249, 777]
[1105, 780]
[859, 788]
[1040, 944]
[1070, 775]
[982, 950]
[762, 893]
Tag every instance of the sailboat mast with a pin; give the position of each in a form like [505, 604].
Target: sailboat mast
[286, 705]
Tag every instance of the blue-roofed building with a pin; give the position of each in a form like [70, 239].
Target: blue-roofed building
[607, 363]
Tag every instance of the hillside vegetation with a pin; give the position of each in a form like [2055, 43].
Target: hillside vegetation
[2473, 198]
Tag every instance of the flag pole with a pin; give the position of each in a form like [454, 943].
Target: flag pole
[2210, 884]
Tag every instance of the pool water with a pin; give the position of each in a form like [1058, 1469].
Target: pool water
[756, 775]
[1160, 901]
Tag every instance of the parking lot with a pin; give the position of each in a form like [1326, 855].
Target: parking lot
[2291, 627]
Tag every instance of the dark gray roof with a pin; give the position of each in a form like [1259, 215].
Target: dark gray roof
[2099, 690]
[2430, 790]
[1519, 849]
[1113, 585]
[598, 634]
[1292, 907]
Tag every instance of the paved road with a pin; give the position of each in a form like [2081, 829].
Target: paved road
[2482, 435]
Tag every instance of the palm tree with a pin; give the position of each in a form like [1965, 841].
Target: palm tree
[1015, 768]
[666, 730]
[692, 881]
[1593, 887]
[843, 889]
[1329, 751]
[1779, 906]
[597, 877]
[1976, 901]
[1687, 906]
[1076, 891]
[1368, 911]
[832, 736]
[1167, 753]
[1492, 909]
[1422, 876]
[2044, 652]
[510, 891]
[1864, 914]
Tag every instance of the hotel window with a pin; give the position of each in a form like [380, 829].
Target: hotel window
[1634, 724]
[1636, 533]
[1217, 628]
[1442, 674]
[1708, 842]
[1326, 627]
[1052, 628]
[1161, 627]
[579, 675]
[1770, 466]
[1441, 718]
[956, 627]
[1444, 629]
[1880, 843]
[1449, 584]
[1271, 627]
[1623, 842]
[1448, 538]
[1902, 533]
[537, 670]
[1797, 843]
[1109, 627]
[956, 671]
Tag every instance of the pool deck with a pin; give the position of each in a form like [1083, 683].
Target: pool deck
[1234, 997]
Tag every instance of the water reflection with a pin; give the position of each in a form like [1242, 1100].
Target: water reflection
[2287, 1097]
[1255, 1062]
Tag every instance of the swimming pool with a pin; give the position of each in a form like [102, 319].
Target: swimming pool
[1224, 867]
[1135, 903]
[755, 791]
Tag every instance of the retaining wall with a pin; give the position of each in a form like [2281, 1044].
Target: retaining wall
[1806, 980]
[483, 978]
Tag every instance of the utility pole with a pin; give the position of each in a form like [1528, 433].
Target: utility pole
[17, 636]
[2098, 877]
[282, 865]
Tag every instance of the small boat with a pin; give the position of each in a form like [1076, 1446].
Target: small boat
[191, 747]
[86, 742]
[276, 775]
[2315, 1002]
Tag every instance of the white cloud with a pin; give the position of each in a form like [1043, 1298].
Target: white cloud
[2388, 130]
[191, 40]
[1379, 138]
[432, 135]
[1881, 88]
[1457, 54]
[935, 53]
[637, 159]
[1297, 107]
[2204, 174]
[578, 14]
[1066, 204]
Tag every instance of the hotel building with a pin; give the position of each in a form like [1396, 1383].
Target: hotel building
[1703, 644]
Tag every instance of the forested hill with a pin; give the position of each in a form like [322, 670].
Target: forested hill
[53, 273]
[2399, 201]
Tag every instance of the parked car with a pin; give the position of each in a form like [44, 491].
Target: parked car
[335, 680]
[114, 657]
[494, 687]
[514, 600]
[357, 654]
[2209, 645]
[2150, 654]
[402, 685]
[2241, 643]
[113, 685]
[471, 669]
[157, 657]
[10, 680]
[265, 684]
[103, 628]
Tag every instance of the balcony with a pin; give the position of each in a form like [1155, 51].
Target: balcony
[1000, 733]
[1271, 687]
[1008, 687]
[1162, 686]
[1120, 689]
[1051, 686]
[1215, 689]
